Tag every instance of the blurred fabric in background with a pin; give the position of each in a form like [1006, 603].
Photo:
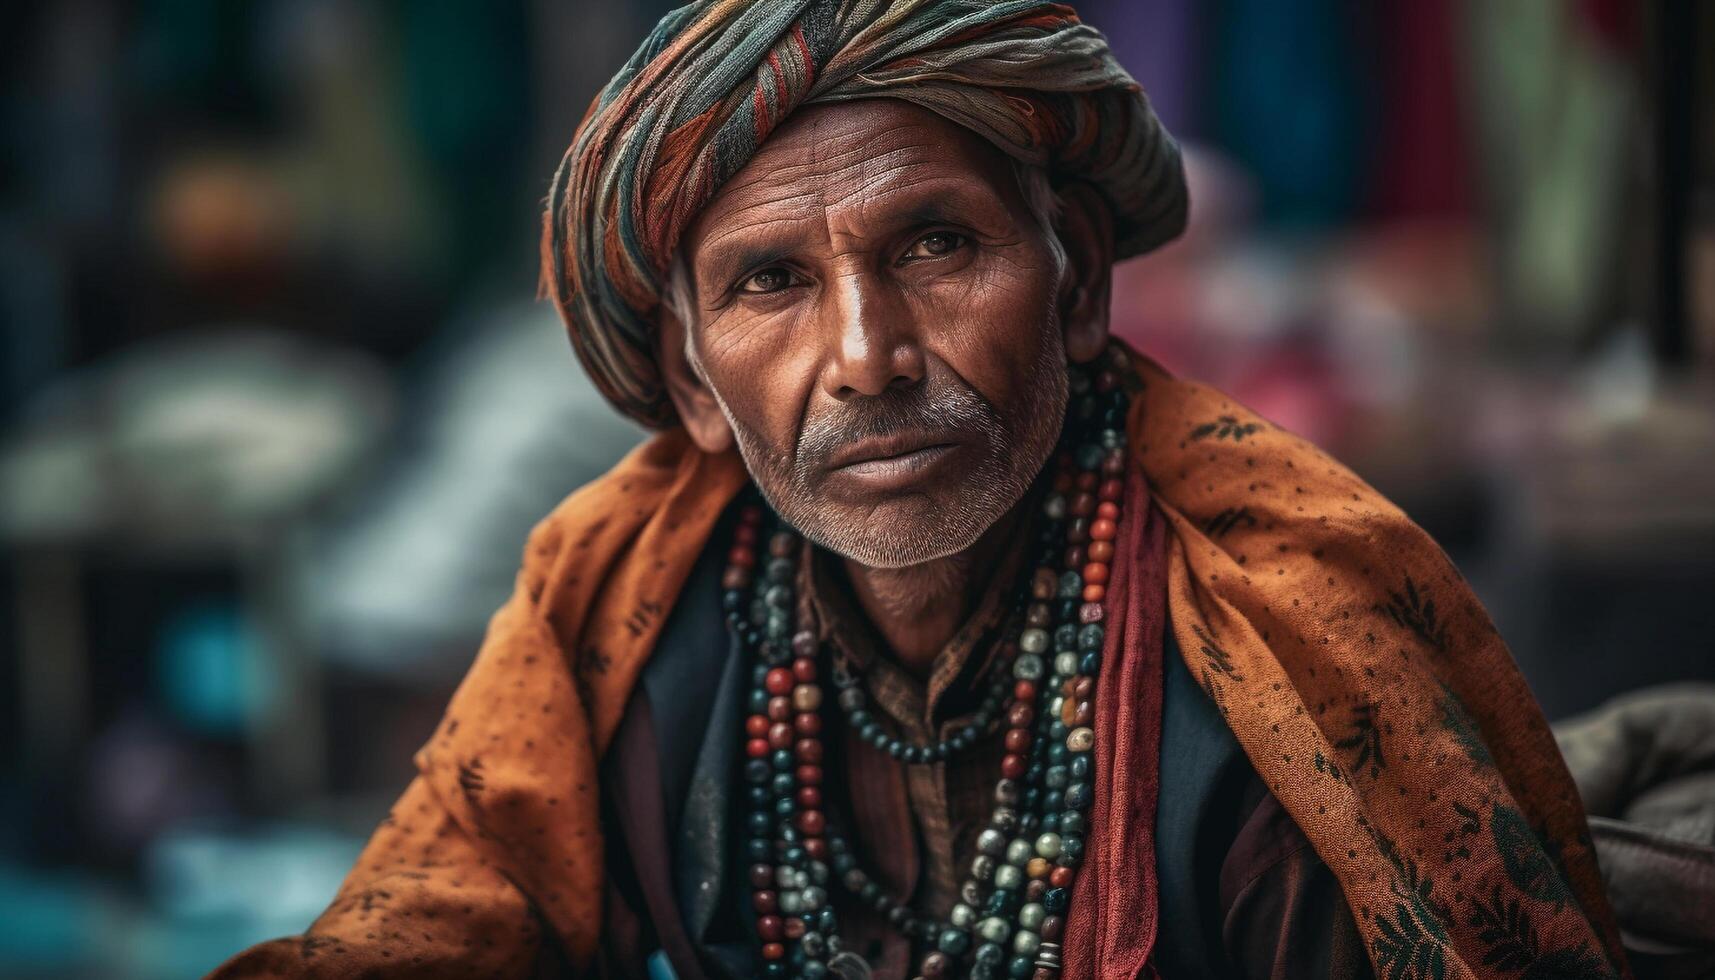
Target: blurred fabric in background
[279, 407]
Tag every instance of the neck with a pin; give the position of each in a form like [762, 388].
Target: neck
[918, 608]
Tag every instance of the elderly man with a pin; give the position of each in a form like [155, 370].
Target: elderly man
[937, 634]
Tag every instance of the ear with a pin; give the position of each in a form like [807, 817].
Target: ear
[695, 403]
[1086, 228]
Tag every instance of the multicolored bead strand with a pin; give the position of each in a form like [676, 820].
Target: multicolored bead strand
[855, 703]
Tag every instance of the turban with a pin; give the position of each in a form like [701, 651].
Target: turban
[714, 78]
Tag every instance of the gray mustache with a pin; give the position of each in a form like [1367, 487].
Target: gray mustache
[946, 408]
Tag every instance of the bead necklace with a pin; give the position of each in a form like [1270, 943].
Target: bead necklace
[1013, 902]
[853, 700]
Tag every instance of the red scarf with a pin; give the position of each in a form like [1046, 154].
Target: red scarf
[1115, 907]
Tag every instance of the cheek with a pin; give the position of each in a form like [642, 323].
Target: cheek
[991, 328]
[757, 369]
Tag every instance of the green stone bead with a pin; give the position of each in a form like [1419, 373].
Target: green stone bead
[994, 930]
[1055, 900]
[1066, 637]
[954, 942]
[1031, 916]
[1048, 846]
[1025, 942]
[1078, 796]
[1071, 850]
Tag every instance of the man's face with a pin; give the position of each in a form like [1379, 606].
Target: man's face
[876, 319]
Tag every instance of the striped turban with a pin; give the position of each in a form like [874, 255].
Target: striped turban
[715, 77]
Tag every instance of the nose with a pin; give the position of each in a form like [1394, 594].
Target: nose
[873, 339]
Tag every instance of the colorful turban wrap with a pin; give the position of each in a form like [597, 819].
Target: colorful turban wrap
[715, 78]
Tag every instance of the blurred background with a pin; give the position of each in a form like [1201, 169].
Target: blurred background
[279, 404]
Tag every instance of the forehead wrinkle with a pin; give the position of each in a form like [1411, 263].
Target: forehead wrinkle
[803, 151]
[752, 190]
[860, 164]
[806, 143]
[908, 190]
[798, 157]
[729, 225]
[836, 156]
[809, 180]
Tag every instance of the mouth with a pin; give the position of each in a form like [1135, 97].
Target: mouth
[892, 462]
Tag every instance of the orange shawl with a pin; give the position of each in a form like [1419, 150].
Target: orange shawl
[1359, 673]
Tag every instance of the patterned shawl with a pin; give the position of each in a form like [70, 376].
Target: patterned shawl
[715, 77]
[1361, 676]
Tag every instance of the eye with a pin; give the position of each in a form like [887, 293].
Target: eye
[935, 244]
[770, 280]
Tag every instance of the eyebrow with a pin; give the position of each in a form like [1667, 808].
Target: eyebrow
[933, 212]
[727, 264]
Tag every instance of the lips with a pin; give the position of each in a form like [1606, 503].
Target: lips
[895, 460]
[895, 446]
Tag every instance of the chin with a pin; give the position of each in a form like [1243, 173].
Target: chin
[896, 533]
